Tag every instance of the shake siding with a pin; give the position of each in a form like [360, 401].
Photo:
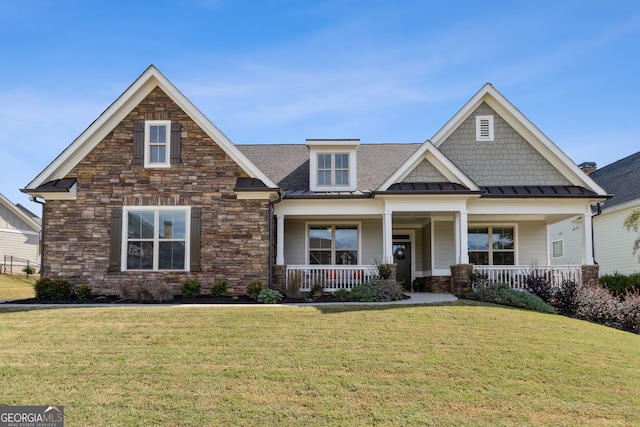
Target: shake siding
[508, 160]
[614, 244]
[532, 243]
[445, 250]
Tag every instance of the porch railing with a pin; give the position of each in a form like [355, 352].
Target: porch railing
[516, 275]
[331, 277]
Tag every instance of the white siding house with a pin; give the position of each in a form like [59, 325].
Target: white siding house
[19, 237]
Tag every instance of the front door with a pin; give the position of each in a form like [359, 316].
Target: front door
[402, 260]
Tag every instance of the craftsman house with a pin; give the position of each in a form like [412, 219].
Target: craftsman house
[152, 192]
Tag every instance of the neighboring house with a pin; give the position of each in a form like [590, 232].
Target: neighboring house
[19, 237]
[613, 243]
[152, 192]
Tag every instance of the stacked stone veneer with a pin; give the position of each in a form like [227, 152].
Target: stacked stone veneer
[507, 160]
[234, 234]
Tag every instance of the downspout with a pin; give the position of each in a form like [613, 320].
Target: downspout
[271, 237]
[35, 199]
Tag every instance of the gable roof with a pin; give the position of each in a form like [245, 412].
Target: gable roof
[21, 212]
[622, 179]
[538, 140]
[141, 87]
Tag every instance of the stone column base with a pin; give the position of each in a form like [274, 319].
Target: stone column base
[460, 281]
[590, 275]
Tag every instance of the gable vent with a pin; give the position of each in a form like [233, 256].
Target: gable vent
[484, 128]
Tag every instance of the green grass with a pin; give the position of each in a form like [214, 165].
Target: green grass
[467, 363]
[16, 286]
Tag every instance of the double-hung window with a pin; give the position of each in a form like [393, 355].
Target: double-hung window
[491, 245]
[156, 238]
[333, 169]
[333, 244]
[157, 140]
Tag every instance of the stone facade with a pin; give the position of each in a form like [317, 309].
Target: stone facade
[234, 233]
[460, 280]
[590, 275]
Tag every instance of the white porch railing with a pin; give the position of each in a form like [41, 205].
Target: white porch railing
[331, 277]
[516, 275]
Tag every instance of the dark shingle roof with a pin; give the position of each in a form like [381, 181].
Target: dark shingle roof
[621, 178]
[288, 165]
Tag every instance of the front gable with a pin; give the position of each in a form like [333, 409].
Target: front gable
[150, 83]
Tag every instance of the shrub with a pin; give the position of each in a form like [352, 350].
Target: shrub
[596, 304]
[294, 283]
[162, 292]
[619, 284]
[29, 269]
[317, 289]
[254, 288]
[191, 288]
[53, 289]
[219, 288]
[269, 296]
[385, 271]
[539, 285]
[377, 290]
[342, 294]
[565, 297]
[83, 292]
[502, 294]
[630, 310]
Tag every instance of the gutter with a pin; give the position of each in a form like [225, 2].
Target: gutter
[271, 237]
[593, 241]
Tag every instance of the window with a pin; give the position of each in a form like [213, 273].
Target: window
[491, 245]
[484, 128]
[557, 248]
[330, 245]
[155, 238]
[333, 169]
[157, 139]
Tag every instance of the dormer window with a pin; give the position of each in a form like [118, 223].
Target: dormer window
[484, 128]
[332, 164]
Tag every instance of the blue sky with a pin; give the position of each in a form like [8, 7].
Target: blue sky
[278, 71]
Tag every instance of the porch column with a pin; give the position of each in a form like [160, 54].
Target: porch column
[461, 236]
[280, 239]
[387, 237]
[587, 259]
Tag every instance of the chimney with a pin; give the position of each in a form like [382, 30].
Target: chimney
[588, 167]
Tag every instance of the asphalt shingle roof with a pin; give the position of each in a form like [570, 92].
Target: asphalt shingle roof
[622, 179]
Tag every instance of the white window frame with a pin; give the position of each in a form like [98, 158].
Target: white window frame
[481, 135]
[553, 252]
[490, 227]
[156, 239]
[333, 249]
[147, 144]
[333, 169]
[332, 147]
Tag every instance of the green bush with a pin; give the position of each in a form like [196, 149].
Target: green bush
[317, 289]
[191, 288]
[219, 288]
[254, 288]
[540, 286]
[83, 292]
[377, 290]
[53, 289]
[269, 296]
[385, 271]
[342, 294]
[502, 294]
[619, 284]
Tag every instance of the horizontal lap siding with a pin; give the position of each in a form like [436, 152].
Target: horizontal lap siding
[532, 243]
[19, 245]
[444, 243]
[572, 234]
[614, 244]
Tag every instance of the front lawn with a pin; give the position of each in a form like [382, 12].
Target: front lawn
[466, 363]
[13, 286]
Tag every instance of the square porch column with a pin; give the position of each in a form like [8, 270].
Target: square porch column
[587, 258]
[280, 239]
[461, 230]
[387, 237]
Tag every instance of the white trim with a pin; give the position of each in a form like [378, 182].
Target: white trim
[147, 143]
[330, 223]
[553, 251]
[332, 148]
[16, 231]
[484, 128]
[116, 112]
[156, 247]
[516, 238]
[431, 153]
[20, 213]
